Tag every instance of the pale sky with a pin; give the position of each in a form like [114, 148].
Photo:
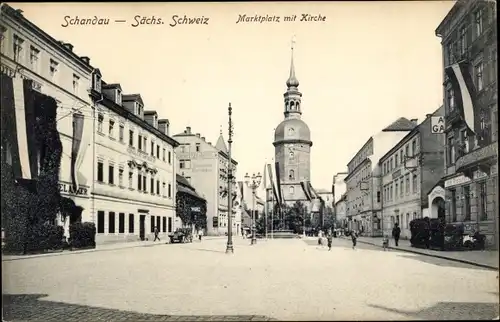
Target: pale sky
[366, 65]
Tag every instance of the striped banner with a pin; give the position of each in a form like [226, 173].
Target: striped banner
[21, 127]
[9, 124]
[78, 121]
[278, 182]
[275, 193]
[465, 94]
[305, 188]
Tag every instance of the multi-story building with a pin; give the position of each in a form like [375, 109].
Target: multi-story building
[338, 184]
[134, 168]
[363, 189]
[409, 170]
[469, 35]
[206, 166]
[33, 63]
[341, 211]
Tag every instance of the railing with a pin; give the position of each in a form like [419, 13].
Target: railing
[478, 155]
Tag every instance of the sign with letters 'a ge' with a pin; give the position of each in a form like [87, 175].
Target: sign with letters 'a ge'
[437, 124]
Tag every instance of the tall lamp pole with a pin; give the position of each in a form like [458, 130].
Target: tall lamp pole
[253, 183]
[229, 246]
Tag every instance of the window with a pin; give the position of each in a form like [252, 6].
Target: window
[130, 180]
[163, 154]
[34, 57]
[291, 175]
[292, 190]
[121, 223]
[144, 184]
[169, 157]
[131, 223]
[100, 120]
[478, 21]
[152, 191]
[100, 171]
[111, 223]
[111, 128]
[53, 68]
[131, 138]
[139, 182]
[414, 183]
[97, 83]
[197, 147]
[391, 193]
[120, 177]
[407, 150]
[111, 174]
[158, 222]
[118, 98]
[152, 149]
[401, 157]
[450, 95]
[2, 34]
[152, 224]
[478, 76]
[396, 190]
[464, 148]
[76, 84]
[121, 133]
[407, 184]
[396, 161]
[163, 186]
[158, 151]
[139, 140]
[158, 187]
[483, 201]
[449, 53]
[401, 191]
[170, 190]
[378, 196]
[145, 143]
[453, 205]
[18, 47]
[463, 40]
[466, 204]
[100, 222]
[414, 147]
[169, 224]
[164, 224]
[451, 151]
[184, 164]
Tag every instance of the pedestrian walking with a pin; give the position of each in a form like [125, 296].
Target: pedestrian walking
[320, 238]
[200, 234]
[156, 234]
[354, 237]
[329, 238]
[396, 232]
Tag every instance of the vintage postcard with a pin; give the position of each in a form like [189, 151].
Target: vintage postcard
[249, 161]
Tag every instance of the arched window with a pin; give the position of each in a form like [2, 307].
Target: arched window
[291, 174]
[292, 190]
[292, 106]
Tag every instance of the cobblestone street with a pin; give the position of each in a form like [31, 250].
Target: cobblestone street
[275, 279]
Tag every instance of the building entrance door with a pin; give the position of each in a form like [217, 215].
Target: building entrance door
[142, 227]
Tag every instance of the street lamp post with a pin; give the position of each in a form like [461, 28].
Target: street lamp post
[229, 246]
[253, 183]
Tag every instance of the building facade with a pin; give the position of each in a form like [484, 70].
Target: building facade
[469, 34]
[205, 166]
[134, 167]
[409, 170]
[338, 184]
[341, 212]
[32, 64]
[292, 145]
[363, 181]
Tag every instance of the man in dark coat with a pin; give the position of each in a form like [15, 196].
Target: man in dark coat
[396, 232]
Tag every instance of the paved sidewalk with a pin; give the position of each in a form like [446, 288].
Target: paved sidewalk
[104, 247]
[487, 258]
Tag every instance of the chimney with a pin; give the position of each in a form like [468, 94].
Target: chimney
[164, 125]
[85, 59]
[414, 121]
[428, 115]
[188, 130]
[203, 138]
[198, 134]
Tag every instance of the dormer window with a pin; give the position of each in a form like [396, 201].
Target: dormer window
[138, 109]
[118, 97]
[97, 83]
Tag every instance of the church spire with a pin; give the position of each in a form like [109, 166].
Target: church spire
[292, 80]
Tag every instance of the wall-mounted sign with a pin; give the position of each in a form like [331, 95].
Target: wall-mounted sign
[396, 174]
[195, 209]
[437, 124]
[215, 222]
[67, 188]
[456, 181]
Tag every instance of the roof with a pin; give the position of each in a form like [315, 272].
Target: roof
[221, 144]
[186, 187]
[292, 129]
[401, 124]
[150, 113]
[132, 97]
[114, 85]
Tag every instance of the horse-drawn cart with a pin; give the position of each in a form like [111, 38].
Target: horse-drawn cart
[181, 235]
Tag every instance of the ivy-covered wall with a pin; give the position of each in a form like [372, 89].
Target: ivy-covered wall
[184, 203]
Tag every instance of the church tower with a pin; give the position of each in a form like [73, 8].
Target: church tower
[292, 143]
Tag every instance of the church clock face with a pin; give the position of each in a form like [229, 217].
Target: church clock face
[291, 131]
